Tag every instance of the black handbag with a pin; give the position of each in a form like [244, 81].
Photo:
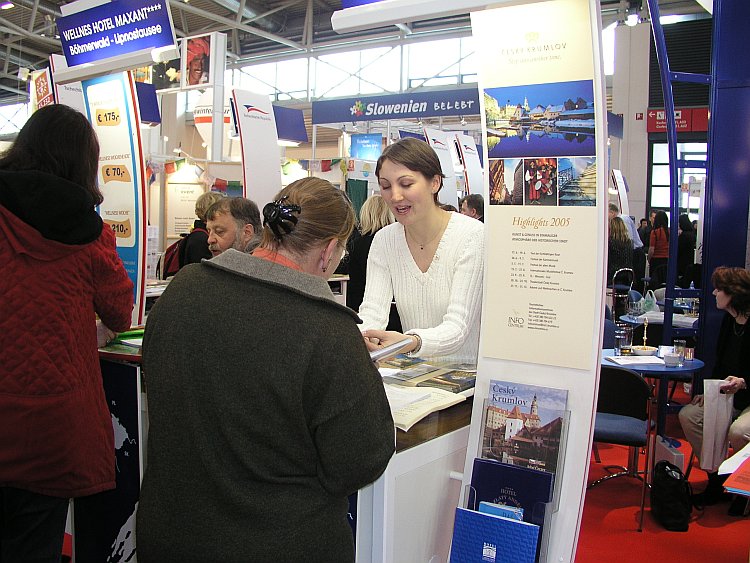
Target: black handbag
[671, 497]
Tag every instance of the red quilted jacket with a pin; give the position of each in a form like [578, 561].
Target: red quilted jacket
[59, 267]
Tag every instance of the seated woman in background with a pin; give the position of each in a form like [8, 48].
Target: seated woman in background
[658, 249]
[620, 248]
[373, 216]
[732, 292]
[257, 438]
[431, 261]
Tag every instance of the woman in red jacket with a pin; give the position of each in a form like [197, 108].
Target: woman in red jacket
[60, 268]
[658, 249]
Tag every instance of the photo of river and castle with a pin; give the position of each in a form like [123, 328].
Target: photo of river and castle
[540, 120]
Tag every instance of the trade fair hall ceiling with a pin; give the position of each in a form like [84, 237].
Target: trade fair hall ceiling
[257, 30]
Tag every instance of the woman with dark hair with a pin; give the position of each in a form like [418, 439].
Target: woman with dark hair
[685, 245]
[732, 292]
[658, 249]
[431, 261]
[60, 269]
[280, 417]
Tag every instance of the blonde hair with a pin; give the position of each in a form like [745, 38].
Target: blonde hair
[205, 201]
[374, 215]
[325, 213]
[618, 231]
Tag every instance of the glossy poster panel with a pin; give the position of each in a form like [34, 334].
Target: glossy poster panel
[111, 108]
[261, 157]
[444, 145]
[539, 106]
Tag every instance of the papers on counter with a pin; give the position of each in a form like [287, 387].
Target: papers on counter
[634, 360]
[399, 396]
[409, 405]
[657, 317]
[132, 342]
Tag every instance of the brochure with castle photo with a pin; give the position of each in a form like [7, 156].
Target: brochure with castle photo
[523, 424]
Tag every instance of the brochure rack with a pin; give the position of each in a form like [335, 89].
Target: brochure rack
[542, 513]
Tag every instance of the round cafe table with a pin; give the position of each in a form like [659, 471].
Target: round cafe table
[660, 372]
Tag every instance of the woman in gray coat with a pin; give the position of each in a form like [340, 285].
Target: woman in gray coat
[266, 411]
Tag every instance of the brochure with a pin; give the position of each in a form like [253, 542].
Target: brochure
[523, 424]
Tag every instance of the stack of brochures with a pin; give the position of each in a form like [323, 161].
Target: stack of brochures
[414, 372]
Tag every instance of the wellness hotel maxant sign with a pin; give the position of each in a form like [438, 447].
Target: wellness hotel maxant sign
[115, 28]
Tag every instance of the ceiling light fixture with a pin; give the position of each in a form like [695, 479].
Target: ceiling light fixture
[7, 5]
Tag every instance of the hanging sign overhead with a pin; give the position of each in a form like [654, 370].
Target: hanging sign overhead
[398, 106]
[114, 29]
[351, 3]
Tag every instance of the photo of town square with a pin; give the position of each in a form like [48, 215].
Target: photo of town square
[540, 120]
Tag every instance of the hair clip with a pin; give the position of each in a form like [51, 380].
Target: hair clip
[279, 217]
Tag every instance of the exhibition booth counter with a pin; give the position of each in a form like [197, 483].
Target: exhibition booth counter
[406, 515]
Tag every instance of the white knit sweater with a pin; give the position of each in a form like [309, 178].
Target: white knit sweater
[441, 305]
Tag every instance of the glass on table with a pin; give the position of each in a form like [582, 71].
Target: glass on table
[623, 340]
[679, 349]
[635, 309]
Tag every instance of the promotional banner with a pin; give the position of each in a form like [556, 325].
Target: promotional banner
[261, 157]
[544, 136]
[197, 55]
[443, 143]
[472, 164]
[115, 28]
[111, 106]
[397, 106]
[538, 94]
[70, 94]
[40, 89]
[203, 116]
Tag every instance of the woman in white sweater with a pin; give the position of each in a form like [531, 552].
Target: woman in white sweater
[430, 261]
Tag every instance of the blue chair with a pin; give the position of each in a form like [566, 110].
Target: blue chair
[623, 417]
[608, 341]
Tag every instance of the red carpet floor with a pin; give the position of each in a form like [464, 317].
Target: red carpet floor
[610, 520]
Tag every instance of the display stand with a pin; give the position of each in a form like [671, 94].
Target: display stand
[543, 512]
[407, 514]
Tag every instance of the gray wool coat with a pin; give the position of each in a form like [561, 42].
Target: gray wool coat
[265, 413]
